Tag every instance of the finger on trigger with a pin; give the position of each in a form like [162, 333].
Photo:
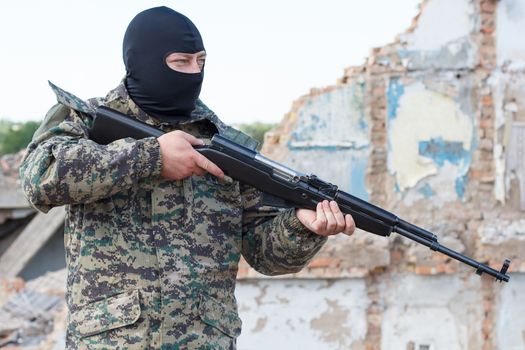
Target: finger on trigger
[209, 166]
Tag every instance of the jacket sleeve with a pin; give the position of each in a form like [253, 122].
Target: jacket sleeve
[62, 166]
[274, 241]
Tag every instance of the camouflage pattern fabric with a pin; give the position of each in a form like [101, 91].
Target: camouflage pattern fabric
[151, 262]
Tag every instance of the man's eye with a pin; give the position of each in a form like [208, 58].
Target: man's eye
[179, 62]
[201, 62]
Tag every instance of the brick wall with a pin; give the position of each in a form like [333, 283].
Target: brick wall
[438, 107]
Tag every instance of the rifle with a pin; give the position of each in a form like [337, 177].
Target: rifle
[286, 187]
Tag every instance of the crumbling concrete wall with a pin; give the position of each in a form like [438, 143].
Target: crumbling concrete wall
[431, 127]
[338, 112]
[318, 313]
[507, 83]
[440, 312]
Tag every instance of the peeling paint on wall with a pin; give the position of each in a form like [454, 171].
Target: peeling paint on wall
[448, 47]
[332, 120]
[460, 22]
[496, 83]
[508, 88]
[337, 315]
[345, 168]
[444, 318]
[394, 93]
[510, 45]
[441, 147]
[515, 162]
[331, 139]
[441, 151]
[358, 167]
[307, 314]
[511, 316]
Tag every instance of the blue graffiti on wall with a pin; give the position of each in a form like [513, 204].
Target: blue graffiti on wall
[461, 184]
[331, 123]
[427, 191]
[306, 127]
[358, 177]
[322, 114]
[394, 93]
[441, 151]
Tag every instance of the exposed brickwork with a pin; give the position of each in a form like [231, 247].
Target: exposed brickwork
[374, 313]
[482, 169]
[460, 224]
[489, 313]
[457, 221]
[376, 110]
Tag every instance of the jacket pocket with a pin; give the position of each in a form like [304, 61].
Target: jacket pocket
[116, 311]
[222, 316]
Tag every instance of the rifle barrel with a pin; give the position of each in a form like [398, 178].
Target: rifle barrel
[480, 268]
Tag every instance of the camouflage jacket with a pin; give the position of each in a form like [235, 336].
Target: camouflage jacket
[152, 263]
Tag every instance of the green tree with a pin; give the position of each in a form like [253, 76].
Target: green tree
[256, 130]
[15, 136]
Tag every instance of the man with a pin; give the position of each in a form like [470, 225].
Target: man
[154, 231]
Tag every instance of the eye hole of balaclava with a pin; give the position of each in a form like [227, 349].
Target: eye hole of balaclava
[157, 89]
[186, 62]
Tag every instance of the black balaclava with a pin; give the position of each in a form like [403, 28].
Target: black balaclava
[159, 90]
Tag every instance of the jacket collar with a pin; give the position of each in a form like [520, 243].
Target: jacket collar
[119, 99]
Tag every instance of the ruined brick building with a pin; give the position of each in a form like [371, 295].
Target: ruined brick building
[431, 127]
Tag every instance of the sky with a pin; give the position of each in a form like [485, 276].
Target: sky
[262, 55]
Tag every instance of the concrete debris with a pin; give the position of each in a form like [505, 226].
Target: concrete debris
[10, 163]
[13, 205]
[27, 244]
[14, 214]
[29, 312]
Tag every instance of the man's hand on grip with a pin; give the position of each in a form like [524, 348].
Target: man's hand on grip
[180, 159]
[327, 219]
